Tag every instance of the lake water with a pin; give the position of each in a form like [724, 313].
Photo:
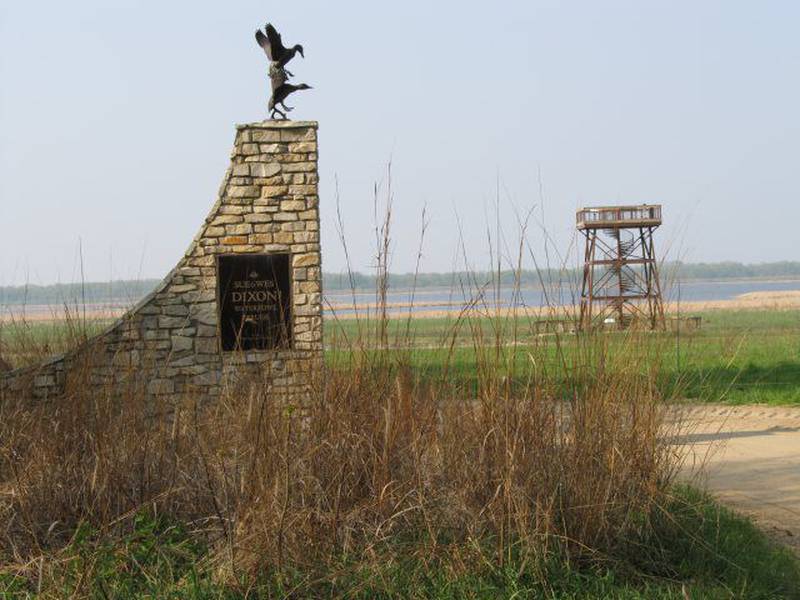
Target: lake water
[428, 299]
[443, 299]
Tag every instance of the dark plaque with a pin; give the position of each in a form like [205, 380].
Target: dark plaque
[254, 295]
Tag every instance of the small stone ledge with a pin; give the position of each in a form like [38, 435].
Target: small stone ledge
[277, 124]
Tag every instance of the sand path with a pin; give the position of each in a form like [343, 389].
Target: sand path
[749, 457]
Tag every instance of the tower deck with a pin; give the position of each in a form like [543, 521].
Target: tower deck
[619, 217]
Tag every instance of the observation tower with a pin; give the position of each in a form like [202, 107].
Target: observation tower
[620, 271]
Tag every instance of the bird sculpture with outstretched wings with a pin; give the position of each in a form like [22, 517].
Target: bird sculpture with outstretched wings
[279, 55]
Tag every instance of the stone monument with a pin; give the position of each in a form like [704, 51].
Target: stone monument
[244, 301]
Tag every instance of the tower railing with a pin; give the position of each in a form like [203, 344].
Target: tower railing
[609, 217]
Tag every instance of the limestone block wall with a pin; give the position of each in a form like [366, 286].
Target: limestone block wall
[169, 343]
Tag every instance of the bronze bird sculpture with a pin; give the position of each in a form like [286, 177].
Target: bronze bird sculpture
[279, 94]
[279, 55]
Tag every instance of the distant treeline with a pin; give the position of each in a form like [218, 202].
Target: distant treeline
[127, 292]
[734, 270]
[124, 291]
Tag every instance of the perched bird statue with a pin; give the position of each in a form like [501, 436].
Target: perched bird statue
[279, 55]
[280, 93]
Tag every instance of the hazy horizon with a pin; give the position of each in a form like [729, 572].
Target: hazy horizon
[117, 121]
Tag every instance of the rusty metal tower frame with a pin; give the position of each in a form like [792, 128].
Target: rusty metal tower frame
[620, 272]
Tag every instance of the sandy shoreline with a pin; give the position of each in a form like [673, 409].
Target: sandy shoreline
[781, 300]
[772, 300]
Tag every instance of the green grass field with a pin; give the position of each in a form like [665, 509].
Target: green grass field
[737, 356]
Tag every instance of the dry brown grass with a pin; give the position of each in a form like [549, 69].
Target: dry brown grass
[381, 460]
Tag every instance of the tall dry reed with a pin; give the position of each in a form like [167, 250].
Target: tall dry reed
[555, 446]
[383, 459]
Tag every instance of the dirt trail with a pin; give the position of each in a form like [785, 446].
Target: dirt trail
[749, 457]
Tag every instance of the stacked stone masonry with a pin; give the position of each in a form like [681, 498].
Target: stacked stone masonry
[169, 343]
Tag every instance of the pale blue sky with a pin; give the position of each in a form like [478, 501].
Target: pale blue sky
[116, 120]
